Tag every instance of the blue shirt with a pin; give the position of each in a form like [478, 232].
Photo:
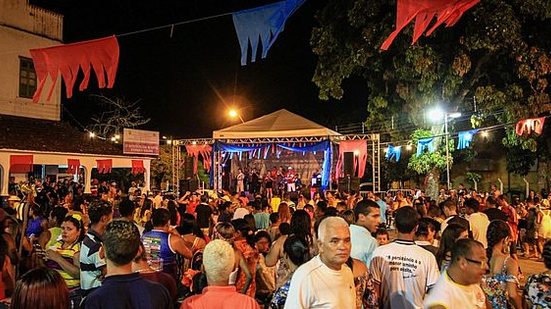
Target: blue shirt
[262, 220]
[157, 245]
[128, 291]
[382, 208]
[363, 244]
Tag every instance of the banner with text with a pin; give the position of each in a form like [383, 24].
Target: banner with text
[140, 142]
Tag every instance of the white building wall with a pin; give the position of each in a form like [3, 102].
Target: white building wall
[87, 161]
[23, 27]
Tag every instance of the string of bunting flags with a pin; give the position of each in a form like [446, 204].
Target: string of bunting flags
[259, 25]
[523, 127]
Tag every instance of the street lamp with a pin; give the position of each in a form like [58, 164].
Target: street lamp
[233, 113]
[435, 115]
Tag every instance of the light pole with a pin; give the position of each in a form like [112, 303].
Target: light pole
[436, 114]
[447, 150]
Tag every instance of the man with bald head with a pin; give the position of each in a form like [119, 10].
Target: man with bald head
[325, 281]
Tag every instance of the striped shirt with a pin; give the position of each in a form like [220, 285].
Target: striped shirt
[90, 262]
[67, 254]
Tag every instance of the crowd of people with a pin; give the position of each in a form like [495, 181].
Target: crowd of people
[137, 249]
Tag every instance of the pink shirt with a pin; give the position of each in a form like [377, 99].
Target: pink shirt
[214, 297]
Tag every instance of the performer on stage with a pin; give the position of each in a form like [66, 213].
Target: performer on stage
[281, 181]
[269, 183]
[291, 178]
[240, 181]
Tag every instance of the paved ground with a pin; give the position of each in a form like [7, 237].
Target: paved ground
[529, 267]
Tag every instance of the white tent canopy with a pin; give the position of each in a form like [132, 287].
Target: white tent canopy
[281, 123]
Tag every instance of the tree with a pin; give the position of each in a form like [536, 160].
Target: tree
[496, 57]
[161, 167]
[116, 115]
[429, 161]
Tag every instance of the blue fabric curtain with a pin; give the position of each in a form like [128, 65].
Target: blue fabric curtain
[425, 143]
[324, 146]
[221, 146]
[262, 24]
[465, 138]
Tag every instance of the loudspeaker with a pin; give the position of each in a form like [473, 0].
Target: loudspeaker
[188, 167]
[348, 164]
[353, 185]
[189, 184]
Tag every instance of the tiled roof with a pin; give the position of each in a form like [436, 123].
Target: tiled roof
[46, 135]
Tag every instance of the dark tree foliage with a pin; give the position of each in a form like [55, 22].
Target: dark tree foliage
[497, 56]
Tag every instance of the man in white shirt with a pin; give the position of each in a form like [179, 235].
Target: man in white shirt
[478, 220]
[367, 219]
[402, 271]
[459, 286]
[325, 281]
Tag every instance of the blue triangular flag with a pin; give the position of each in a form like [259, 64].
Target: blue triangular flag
[425, 143]
[394, 152]
[262, 23]
[465, 138]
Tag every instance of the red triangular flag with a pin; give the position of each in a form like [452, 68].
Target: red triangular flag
[102, 55]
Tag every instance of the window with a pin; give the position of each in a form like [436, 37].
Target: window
[27, 78]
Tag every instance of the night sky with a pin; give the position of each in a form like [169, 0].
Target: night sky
[186, 82]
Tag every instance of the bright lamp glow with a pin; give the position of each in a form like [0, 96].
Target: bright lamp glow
[92, 135]
[233, 113]
[484, 134]
[435, 114]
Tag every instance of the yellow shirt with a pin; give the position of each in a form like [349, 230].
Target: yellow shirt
[275, 203]
[67, 255]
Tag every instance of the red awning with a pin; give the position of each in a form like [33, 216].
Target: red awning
[21, 163]
[73, 166]
[104, 166]
[137, 167]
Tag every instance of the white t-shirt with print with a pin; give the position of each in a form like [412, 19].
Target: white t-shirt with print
[314, 285]
[451, 295]
[404, 271]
